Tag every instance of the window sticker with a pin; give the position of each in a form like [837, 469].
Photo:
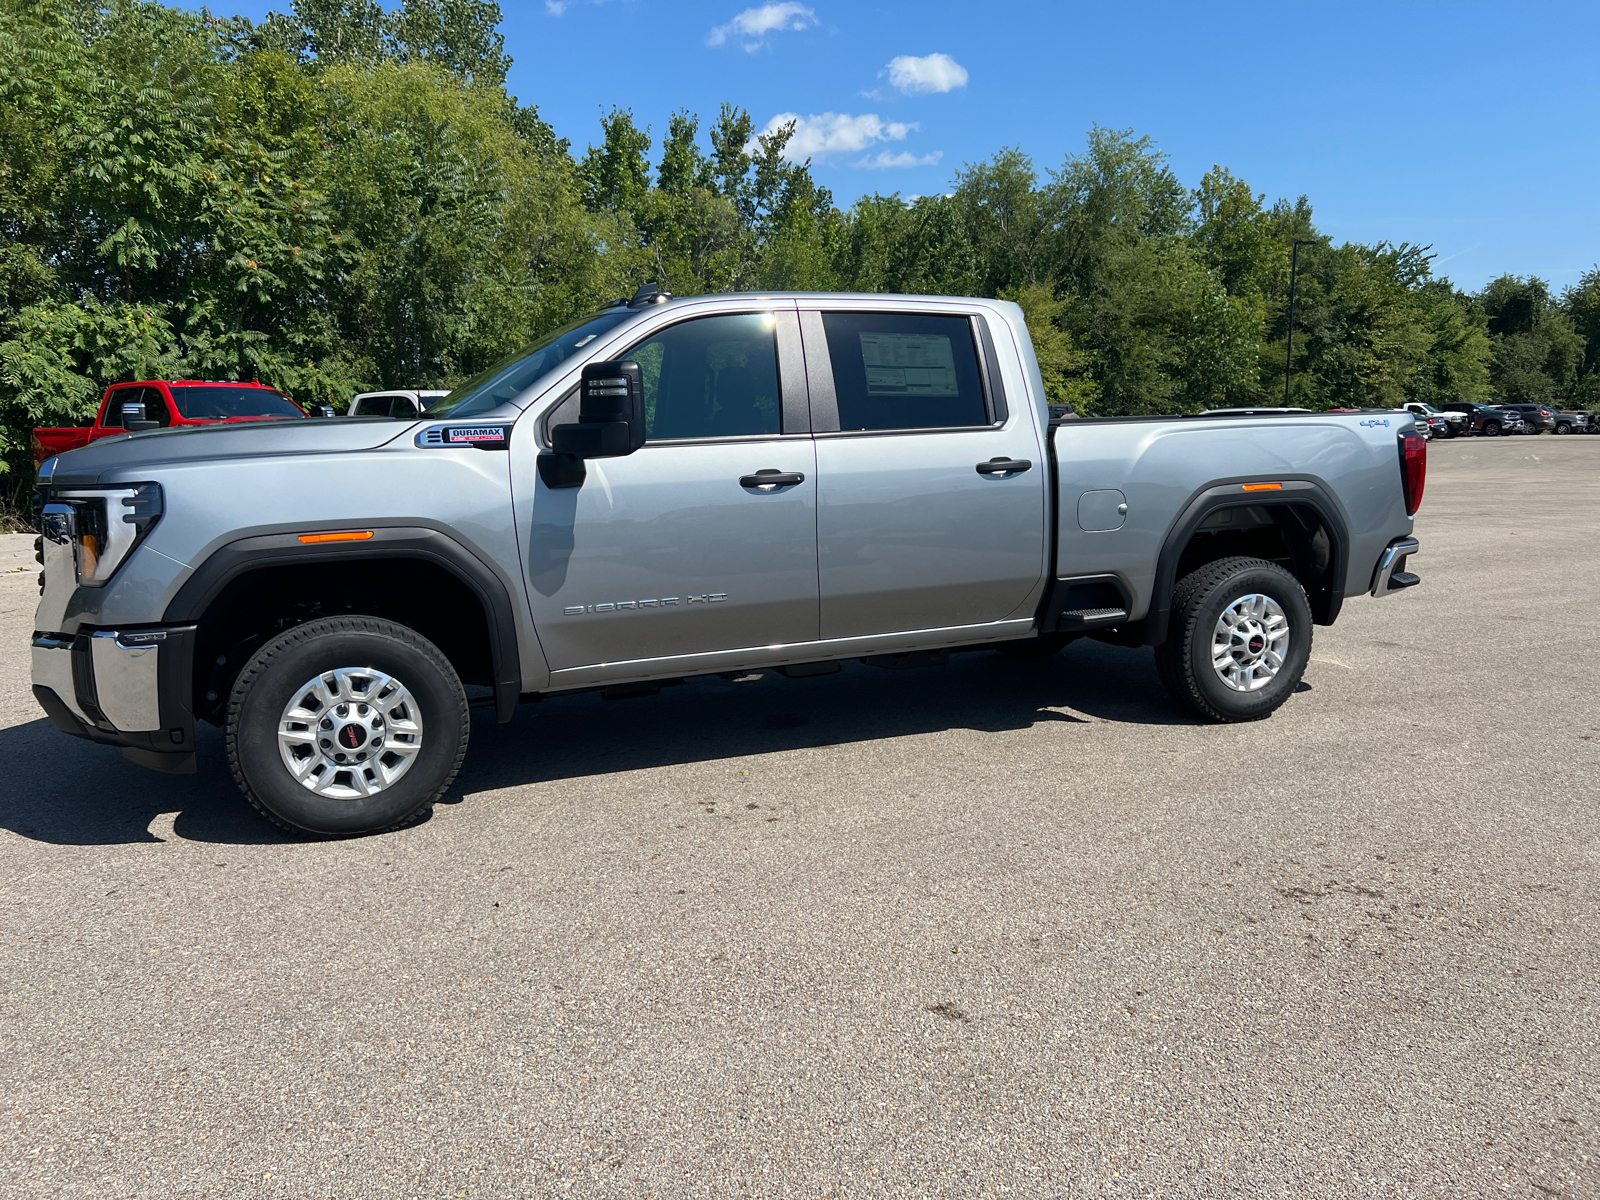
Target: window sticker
[909, 364]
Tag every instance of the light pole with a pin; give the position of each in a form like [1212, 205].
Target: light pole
[1294, 267]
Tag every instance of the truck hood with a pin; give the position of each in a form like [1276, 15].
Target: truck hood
[137, 453]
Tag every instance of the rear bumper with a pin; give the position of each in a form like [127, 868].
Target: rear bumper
[121, 688]
[1390, 575]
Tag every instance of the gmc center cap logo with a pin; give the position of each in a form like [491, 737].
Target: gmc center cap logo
[351, 737]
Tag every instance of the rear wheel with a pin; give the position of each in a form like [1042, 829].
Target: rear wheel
[346, 725]
[1239, 639]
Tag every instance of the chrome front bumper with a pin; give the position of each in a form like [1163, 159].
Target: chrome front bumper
[121, 688]
[124, 682]
[1390, 575]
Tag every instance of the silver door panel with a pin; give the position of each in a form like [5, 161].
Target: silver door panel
[664, 553]
[910, 536]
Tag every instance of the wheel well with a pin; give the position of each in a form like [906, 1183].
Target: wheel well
[1295, 536]
[261, 603]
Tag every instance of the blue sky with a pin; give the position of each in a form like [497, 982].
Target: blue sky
[1469, 126]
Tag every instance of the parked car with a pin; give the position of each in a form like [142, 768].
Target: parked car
[688, 487]
[1572, 422]
[404, 403]
[1537, 418]
[1430, 425]
[1488, 419]
[1456, 422]
[164, 403]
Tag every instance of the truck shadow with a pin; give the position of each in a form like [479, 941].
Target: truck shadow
[91, 795]
[712, 718]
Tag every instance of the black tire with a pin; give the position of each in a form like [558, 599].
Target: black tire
[1183, 661]
[285, 665]
[1036, 648]
[1491, 429]
[1564, 427]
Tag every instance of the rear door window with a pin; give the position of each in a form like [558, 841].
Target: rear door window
[905, 371]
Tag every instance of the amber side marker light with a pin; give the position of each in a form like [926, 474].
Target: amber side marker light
[1262, 487]
[349, 535]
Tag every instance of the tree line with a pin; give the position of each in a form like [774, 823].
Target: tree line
[343, 198]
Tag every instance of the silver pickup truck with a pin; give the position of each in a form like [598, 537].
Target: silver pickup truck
[672, 488]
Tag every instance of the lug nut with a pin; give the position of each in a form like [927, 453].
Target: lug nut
[325, 743]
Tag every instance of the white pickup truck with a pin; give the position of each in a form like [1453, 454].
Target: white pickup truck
[677, 487]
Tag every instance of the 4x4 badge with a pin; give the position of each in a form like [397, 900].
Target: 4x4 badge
[577, 610]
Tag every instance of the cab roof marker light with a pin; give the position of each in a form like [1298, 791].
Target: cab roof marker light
[1262, 487]
[348, 535]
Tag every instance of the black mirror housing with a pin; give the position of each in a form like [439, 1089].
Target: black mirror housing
[134, 419]
[610, 413]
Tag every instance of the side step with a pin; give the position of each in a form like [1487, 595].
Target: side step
[1086, 618]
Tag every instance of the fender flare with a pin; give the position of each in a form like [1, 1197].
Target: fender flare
[1308, 493]
[233, 559]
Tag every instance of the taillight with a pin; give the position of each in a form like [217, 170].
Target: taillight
[1413, 468]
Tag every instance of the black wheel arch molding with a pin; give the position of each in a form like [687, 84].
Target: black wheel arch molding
[1326, 597]
[390, 540]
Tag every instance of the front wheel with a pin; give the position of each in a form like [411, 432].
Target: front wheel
[346, 725]
[1563, 428]
[1491, 429]
[1239, 639]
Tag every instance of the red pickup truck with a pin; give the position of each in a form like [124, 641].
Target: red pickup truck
[169, 402]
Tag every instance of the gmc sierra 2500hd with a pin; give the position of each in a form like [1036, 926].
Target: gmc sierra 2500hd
[678, 487]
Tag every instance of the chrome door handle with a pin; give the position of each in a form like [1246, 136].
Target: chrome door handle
[1005, 466]
[771, 479]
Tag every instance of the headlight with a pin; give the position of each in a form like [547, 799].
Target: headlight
[101, 525]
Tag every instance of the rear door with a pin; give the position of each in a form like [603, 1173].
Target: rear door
[931, 510]
[678, 549]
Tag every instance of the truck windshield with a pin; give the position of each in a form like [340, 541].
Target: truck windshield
[220, 402]
[512, 376]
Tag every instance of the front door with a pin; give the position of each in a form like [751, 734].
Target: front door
[678, 549]
[918, 527]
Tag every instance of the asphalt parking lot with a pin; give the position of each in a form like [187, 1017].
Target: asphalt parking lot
[985, 930]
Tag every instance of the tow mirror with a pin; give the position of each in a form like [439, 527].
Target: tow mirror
[134, 419]
[324, 410]
[610, 413]
[610, 423]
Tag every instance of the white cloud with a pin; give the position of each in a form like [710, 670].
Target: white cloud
[904, 159]
[556, 7]
[930, 73]
[755, 24]
[823, 134]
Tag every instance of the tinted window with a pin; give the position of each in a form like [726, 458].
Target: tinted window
[893, 371]
[512, 376]
[385, 406]
[221, 401]
[714, 377]
[113, 414]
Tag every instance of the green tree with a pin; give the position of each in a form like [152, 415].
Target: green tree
[1537, 351]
